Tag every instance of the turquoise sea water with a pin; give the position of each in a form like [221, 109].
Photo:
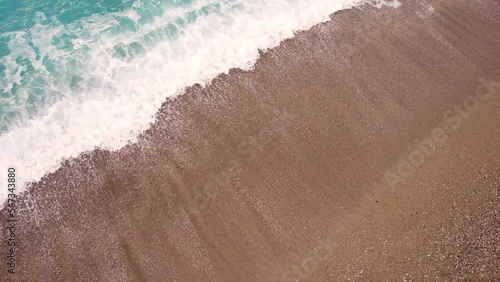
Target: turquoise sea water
[45, 45]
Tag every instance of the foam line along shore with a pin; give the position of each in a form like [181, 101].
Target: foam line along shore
[77, 77]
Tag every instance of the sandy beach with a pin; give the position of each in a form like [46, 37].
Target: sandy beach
[364, 149]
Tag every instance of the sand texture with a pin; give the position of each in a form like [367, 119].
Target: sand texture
[367, 148]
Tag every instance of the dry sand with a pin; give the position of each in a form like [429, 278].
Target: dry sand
[281, 173]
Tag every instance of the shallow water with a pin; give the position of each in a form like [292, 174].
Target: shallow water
[76, 76]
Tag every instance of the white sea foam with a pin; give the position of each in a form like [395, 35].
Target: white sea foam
[119, 92]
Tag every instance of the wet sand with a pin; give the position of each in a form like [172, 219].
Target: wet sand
[305, 168]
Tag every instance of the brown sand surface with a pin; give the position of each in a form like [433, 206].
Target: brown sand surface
[281, 173]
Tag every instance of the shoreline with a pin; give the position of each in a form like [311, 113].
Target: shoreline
[239, 179]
